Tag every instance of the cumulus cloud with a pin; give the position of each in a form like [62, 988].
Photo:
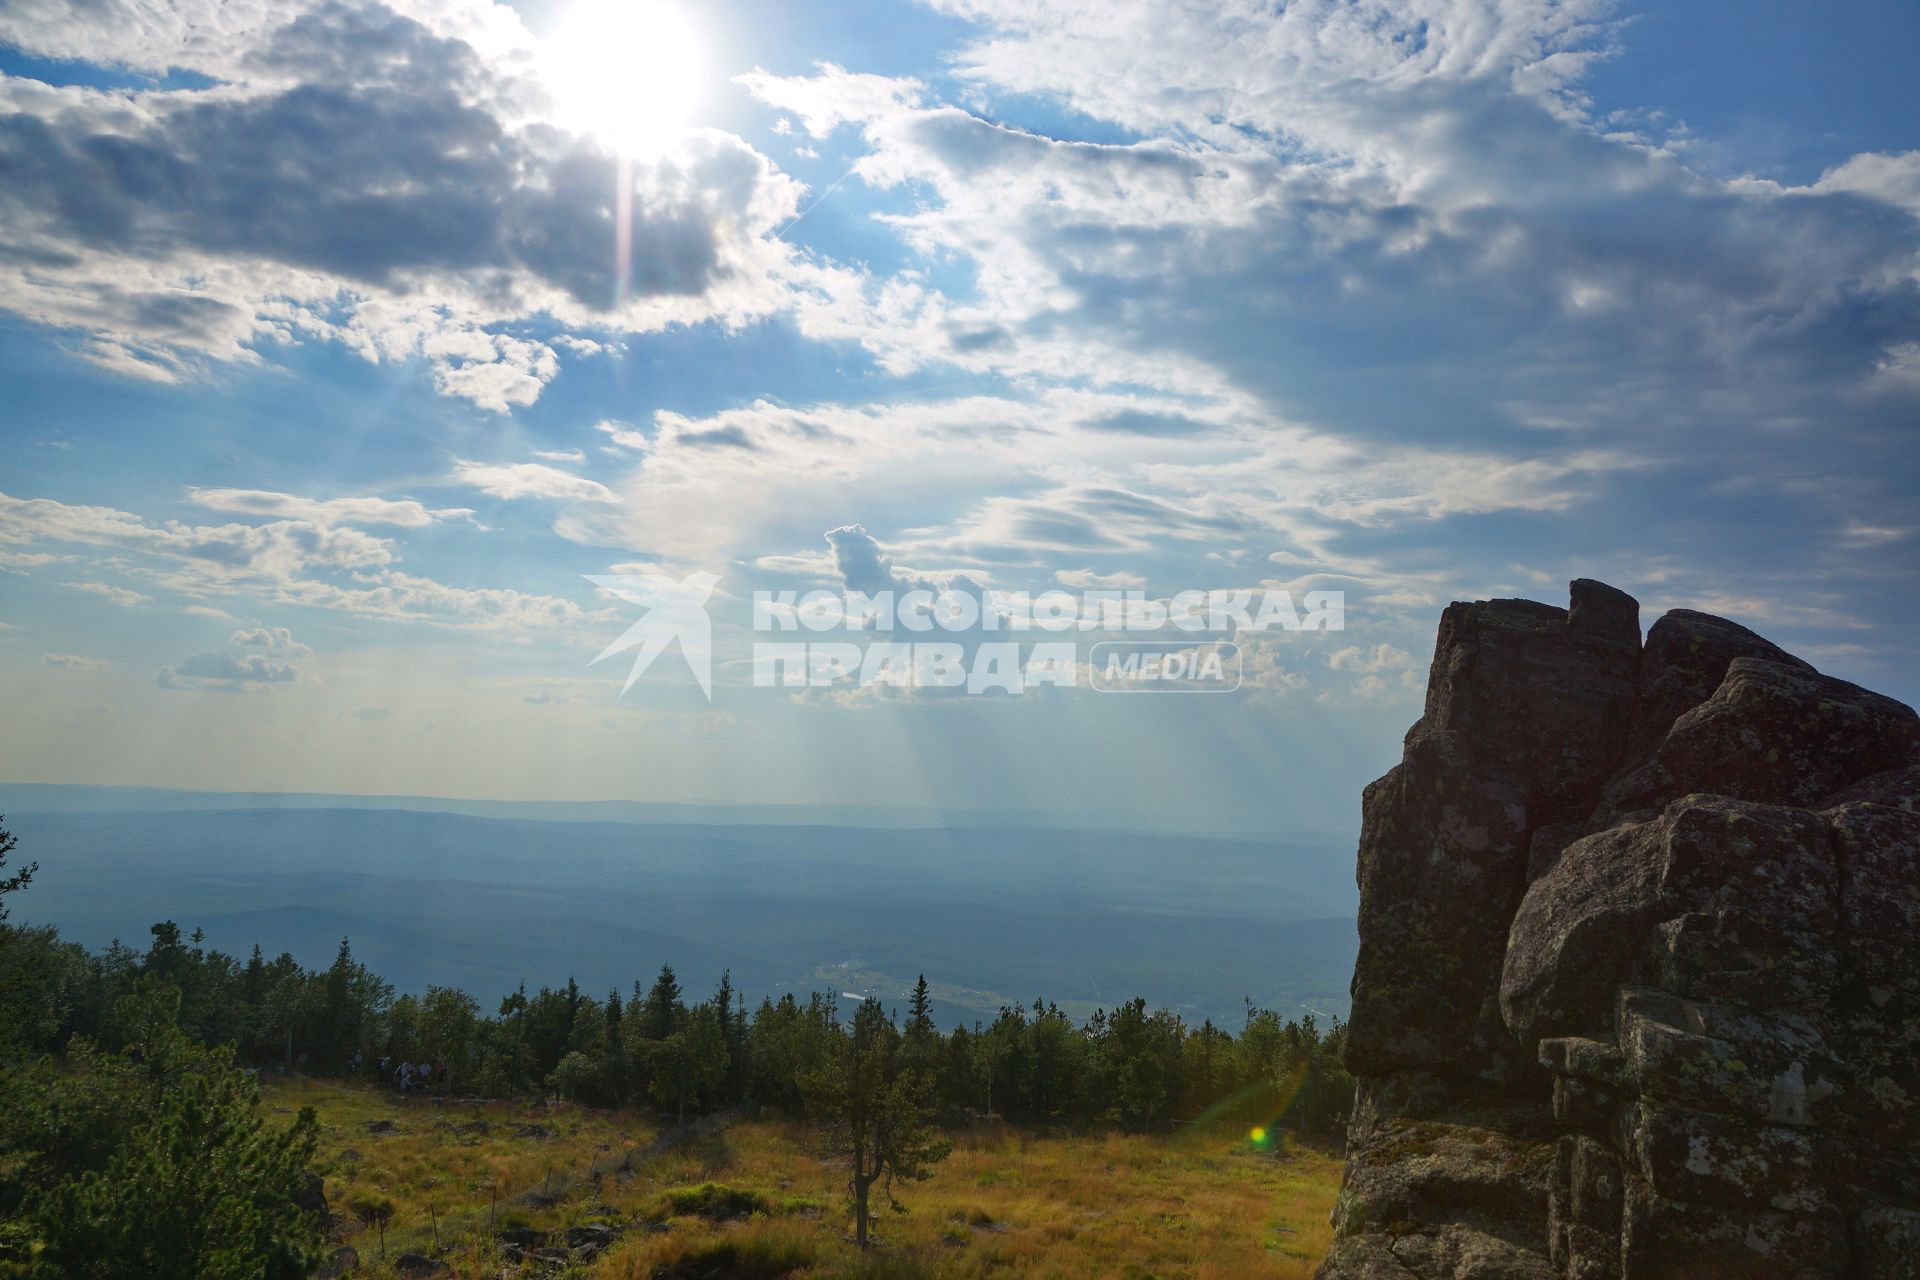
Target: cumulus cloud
[360, 177]
[859, 561]
[274, 639]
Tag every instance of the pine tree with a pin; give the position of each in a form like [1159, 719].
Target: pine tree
[200, 1189]
[880, 1122]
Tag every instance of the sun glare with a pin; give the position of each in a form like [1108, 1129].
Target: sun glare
[625, 71]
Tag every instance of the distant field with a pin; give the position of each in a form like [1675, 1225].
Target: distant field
[1199, 1204]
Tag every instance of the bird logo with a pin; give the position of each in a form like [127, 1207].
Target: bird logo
[676, 610]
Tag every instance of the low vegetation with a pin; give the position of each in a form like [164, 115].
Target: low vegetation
[177, 1112]
[750, 1197]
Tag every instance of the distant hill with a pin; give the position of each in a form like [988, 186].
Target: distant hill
[991, 914]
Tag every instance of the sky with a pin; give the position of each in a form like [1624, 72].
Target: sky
[342, 341]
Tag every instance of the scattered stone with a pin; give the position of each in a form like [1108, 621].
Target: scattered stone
[589, 1235]
[417, 1266]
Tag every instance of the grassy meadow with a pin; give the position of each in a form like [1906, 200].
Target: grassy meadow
[744, 1199]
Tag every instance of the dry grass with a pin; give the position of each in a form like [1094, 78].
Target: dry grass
[1006, 1203]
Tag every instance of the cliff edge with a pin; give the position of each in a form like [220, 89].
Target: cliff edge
[1638, 990]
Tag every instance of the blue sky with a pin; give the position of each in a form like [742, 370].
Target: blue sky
[325, 389]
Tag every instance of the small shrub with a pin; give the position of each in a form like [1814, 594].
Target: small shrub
[716, 1202]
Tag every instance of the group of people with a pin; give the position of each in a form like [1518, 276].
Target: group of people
[407, 1076]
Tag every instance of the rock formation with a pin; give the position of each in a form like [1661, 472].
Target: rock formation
[1638, 991]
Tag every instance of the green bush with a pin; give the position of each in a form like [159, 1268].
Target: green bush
[715, 1202]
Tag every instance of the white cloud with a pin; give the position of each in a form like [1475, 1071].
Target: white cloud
[274, 639]
[286, 562]
[74, 662]
[832, 97]
[402, 513]
[402, 597]
[361, 177]
[226, 673]
[1894, 179]
[1088, 580]
[118, 595]
[204, 555]
[1379, 657]
[21, 561]
[623, 435]
[530, 480]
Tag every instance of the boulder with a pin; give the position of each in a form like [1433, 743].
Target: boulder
[1776, 733]
[1636, 995]
[1713, 894]
[1686, 657]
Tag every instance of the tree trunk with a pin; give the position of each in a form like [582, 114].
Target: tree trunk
[860, 1214]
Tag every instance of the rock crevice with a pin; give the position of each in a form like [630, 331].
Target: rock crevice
[1636, 993]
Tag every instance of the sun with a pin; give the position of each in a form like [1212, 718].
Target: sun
[626, 71]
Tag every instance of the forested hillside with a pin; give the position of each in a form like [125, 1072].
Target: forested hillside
[122, 1060]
